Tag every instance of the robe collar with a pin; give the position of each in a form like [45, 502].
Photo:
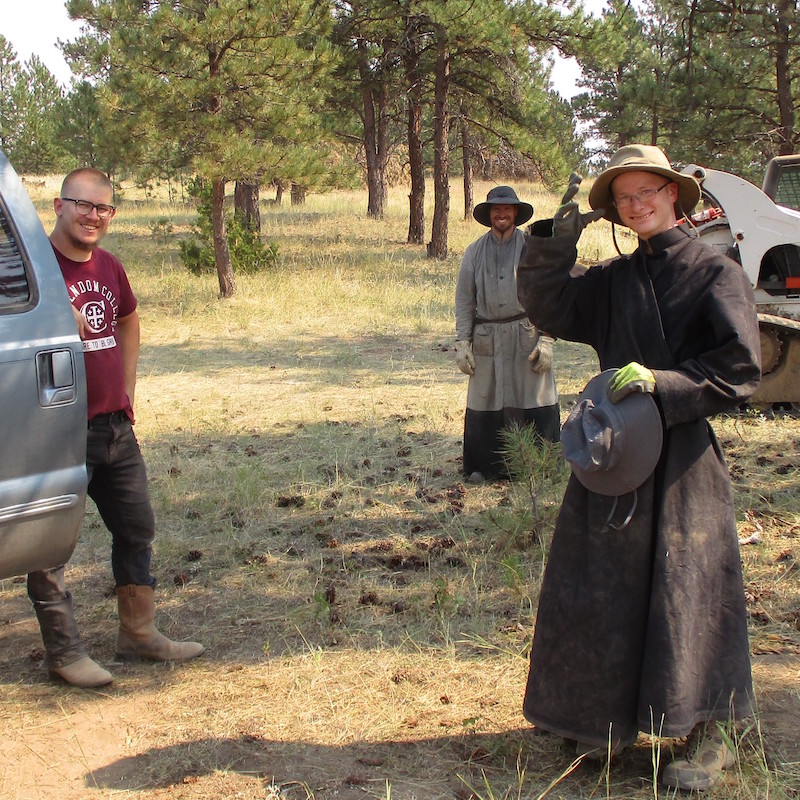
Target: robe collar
[662, 241]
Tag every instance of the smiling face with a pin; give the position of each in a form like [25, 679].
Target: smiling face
[503, 218]
[76, 235]
[647, 217]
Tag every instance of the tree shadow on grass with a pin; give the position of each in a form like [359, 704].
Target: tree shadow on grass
[316, 360]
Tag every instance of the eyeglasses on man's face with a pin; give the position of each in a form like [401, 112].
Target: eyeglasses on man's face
[84, 207]
[626, 200]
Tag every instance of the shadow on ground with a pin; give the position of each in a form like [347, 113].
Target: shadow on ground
[434, 767]
[449, 765]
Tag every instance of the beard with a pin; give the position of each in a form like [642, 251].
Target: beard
[503, 230]
[79, 244]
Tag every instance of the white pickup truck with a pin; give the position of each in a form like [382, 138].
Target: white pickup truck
[42, 394]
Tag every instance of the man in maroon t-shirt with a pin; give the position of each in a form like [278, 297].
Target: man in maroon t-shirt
[108, 323]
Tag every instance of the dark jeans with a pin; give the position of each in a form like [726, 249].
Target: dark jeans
[118, 486]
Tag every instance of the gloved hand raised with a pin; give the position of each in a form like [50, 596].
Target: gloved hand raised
[541, 356]
[632, 377]
[464, 357]
[568, 220]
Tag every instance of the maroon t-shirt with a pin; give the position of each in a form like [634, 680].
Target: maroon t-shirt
[99, 289]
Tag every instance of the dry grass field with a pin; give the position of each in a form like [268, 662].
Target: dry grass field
[367, 615]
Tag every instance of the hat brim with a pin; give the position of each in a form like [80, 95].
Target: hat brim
[481, 211]
[600, 194]
[641, 449]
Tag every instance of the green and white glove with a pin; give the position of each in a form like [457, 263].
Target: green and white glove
[631, 378]
[541, 356]
[568, 220]
[464, 357]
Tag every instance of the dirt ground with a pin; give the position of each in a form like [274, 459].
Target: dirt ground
[149, 735]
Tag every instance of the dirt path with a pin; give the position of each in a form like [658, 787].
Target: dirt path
[64, 744]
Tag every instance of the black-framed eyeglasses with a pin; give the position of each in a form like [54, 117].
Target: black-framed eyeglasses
[84, 207]
[626, 200]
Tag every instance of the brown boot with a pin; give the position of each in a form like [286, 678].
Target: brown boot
[65, 655]
[138, 637]
[708, 754]
[83, 673]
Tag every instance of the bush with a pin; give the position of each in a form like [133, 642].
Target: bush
[248, 253]
[196, 258]
[161, 230]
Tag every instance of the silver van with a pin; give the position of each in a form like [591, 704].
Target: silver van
[42, 394]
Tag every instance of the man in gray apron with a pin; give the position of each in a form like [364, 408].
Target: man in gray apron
[509, 362]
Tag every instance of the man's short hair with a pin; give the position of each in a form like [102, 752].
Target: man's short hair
[93, 174]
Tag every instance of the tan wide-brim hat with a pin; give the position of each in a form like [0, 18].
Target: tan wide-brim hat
[642, 158]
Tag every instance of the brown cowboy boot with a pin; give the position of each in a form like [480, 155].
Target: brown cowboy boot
[138, 637]
[65, 655]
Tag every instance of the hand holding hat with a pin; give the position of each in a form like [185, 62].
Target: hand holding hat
[612, 448]
[568, 220]
[631, 378]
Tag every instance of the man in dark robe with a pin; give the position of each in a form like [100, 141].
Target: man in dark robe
[644, 628]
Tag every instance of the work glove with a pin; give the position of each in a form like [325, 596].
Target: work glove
[464, 357]
[631, 378]
[541, 356]
[568, 220]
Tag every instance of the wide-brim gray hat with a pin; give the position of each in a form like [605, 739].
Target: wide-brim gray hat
[641, 158]
[502, 195]
[612, 448]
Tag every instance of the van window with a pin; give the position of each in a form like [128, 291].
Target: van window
[14, 289]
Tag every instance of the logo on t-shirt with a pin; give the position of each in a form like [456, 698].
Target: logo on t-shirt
[99, 312]
[95, 313]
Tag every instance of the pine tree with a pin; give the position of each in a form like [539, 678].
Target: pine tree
[12, 97]
[37, 148]
[228, 87]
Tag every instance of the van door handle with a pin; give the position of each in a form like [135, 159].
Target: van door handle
[55, 371]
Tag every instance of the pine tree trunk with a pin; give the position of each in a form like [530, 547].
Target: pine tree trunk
[298, 194]
[437, 248]
[375, 134]
[222, 256]
[784, 78]
[466, 161]
[416, 199]
[383, 141]
[371, 156]
[227, 285]
[246, 204]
